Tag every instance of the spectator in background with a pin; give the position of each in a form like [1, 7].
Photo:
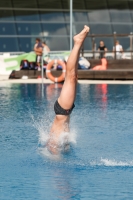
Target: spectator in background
[102, 49]
[119, 50]
[38, 48]
[46, 51]
[24, 64]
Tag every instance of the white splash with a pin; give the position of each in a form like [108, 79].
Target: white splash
[64, 141]
[43, 126]
[45, 152]
[108, 162]
[67, 137]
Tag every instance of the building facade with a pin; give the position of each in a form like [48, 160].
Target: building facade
[22, 21]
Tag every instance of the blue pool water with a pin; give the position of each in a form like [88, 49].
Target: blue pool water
[99, 164]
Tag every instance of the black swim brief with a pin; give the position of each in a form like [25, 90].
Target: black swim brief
[61, 111]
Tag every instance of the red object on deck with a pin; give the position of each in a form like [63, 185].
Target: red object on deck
[103, 66]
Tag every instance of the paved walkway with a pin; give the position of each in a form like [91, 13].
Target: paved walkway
[4, 79]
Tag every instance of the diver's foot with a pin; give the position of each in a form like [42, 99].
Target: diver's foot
[79, 38]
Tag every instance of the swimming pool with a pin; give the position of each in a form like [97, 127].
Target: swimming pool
[98, 166]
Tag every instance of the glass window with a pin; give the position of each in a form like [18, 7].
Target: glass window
[54, 29]
[108, 41]
[52, 16]
[125, 42]
[66, 4]
[99, 16]
[6, 15]
[51, 4]
[131, 8]
[119, 11]
[100, 29]
[28, 28]
[5, 3]
[77, 16]
[76, 29]
[122, 28]
[87, 44]
[120, 16]
[24, 15]
[78, 4]
[118, 4]
[67, 16]
[24, 4]
[80, 16]
[26, 44]
[8, 44]
[7, 29]
[132, 15]
[95, 4]
[58, 44]
[130, 2]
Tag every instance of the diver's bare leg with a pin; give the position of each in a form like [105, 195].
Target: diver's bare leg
[68, 92]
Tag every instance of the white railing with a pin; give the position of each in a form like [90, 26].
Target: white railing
[62, 54]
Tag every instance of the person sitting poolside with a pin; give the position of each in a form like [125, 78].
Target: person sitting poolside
[102, 49]
[65, 103]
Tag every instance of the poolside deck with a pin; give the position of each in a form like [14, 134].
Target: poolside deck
[4, 80]
[120, 70]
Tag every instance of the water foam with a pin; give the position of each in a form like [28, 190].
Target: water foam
[112, 163]
[43, 126]
[64, 141]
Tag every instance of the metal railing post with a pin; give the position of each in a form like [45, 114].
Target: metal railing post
[93, 46]
[131, 44]
[71, 23]
[42, 74]
[115, 45]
